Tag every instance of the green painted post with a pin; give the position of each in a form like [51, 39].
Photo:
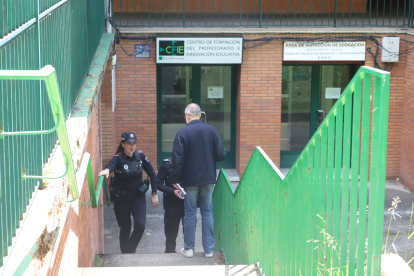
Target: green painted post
[308, 211]
[339, 110]
[322, 191]
[377, 171]
[363, 189]
[356, 132]
[330, 183]
[317, 224]
[345, 182]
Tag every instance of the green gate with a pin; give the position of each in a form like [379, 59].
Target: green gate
[314, 220]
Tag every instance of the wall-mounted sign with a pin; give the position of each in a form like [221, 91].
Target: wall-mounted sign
[142, 50]
[215, 92]
[332, 92]
[199, 50]
[324, 51]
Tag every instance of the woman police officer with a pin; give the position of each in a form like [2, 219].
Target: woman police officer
[129, 190]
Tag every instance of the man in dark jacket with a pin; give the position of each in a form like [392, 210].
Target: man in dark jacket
[197, 148]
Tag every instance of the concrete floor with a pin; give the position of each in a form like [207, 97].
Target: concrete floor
[153, 240]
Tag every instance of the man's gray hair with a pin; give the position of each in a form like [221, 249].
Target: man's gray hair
[193, 110]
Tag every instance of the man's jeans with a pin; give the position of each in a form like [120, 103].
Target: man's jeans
[203, 194]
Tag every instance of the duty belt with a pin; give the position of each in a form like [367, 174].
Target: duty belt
[127, 193]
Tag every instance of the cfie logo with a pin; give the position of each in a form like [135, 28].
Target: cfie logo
[171, 48]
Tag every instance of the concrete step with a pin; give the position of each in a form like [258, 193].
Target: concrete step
[173, 259]
[232, 174]
[216, 270]
[166, 264]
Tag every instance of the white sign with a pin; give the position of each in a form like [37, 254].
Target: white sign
[324, 51]
[332, 92]
[215, 92]
[199, 50]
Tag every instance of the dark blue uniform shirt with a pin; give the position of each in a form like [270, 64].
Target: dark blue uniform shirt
[115, 164]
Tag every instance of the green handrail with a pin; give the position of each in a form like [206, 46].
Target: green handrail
[48, 74]
[313, 221]
[101, 183]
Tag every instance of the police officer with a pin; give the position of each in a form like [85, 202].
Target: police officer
[173, 206]
[129, 190]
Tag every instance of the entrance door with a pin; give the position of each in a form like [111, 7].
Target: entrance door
[212, 87]
[308, 94]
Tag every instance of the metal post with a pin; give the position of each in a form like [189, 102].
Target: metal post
[260, 15]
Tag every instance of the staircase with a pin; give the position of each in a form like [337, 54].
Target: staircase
[150, 259]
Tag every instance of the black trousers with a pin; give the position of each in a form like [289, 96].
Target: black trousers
[125, 206]
[174, 213]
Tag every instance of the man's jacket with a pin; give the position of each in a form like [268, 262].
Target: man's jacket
[197, 148]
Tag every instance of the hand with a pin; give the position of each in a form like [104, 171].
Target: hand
[105, 173]
[154, 201]
[177, 194]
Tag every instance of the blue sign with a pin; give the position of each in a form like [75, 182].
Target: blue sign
[142, 50]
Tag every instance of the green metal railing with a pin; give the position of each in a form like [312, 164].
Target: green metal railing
[314, 220]
[94, 192]
[34, 33]
[262, 13]
[48, 75]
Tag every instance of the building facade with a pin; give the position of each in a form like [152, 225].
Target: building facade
[265, 100]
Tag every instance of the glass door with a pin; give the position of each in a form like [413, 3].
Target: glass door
[308, 94]
[296, 111]
[176, 93]
[217, 105]
[209, 86]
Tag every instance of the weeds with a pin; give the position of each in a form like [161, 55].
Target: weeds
[46, 171]
[394, 206]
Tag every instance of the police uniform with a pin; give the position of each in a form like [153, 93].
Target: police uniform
[130, 197]
[173, 206]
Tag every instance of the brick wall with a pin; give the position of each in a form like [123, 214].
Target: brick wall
[260, 101]
[397, 88]
[407, 133]
[258, 113]
[136, 103]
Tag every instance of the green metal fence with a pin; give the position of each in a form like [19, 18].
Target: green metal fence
[35, 33]
[262, 13]
[314, 221]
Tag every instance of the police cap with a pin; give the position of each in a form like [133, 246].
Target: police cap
[128, 137]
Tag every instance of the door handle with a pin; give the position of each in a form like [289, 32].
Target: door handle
[321, 113]
[205, 116]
